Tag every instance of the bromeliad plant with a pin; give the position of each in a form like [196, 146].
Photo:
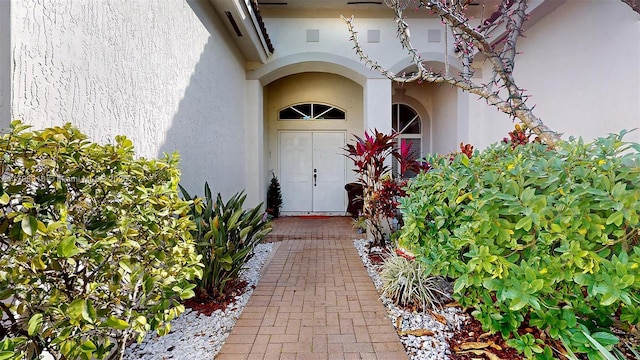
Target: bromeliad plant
[226, 235]
[551, 237]
[94, 247]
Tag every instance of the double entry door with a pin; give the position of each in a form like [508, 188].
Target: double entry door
[312, 171]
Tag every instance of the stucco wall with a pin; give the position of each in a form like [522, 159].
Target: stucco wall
[289, 36]
[163, 73]
[581, 66]
[5, 65]
[444, 124]
[446, 120]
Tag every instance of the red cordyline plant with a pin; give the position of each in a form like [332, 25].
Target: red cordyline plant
[407, 160]
[370, 156]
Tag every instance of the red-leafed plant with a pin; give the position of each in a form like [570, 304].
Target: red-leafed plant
[466, 149]
[520, 136]
[407, 159]
[371, 156]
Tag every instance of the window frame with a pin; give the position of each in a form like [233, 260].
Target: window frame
[312, 116]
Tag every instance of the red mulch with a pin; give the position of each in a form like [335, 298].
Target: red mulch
[472, 331]
[206, 304]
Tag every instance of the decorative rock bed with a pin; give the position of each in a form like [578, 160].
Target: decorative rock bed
[197, 336]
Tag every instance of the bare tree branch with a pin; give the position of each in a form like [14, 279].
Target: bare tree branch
[470, 41]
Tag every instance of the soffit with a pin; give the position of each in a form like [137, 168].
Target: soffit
[246, 27]
[359, 8]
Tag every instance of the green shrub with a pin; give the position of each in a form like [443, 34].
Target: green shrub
[94, 247]
[226, 236]
[405, 282]
[528, 232]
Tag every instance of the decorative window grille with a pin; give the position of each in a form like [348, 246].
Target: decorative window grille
[406, 121]
[311, 111]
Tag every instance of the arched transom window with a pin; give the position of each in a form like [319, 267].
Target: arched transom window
[311, 111]
[406, 122]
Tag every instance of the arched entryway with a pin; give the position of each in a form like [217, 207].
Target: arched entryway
[309, 118]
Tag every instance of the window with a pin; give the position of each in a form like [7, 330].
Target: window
[311, 111]
[406, 122]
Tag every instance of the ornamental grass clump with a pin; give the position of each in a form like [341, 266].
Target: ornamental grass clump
[546, 237]
[95, 245]
[406, 283]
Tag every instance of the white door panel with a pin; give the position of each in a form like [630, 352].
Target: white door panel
[295, 171]
[303, 155]
[328, 165]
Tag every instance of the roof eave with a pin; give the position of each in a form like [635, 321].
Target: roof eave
[246, 27]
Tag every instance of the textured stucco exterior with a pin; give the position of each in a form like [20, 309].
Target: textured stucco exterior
[581, 65]
[165, 73]
[169, 75]
[5, 65]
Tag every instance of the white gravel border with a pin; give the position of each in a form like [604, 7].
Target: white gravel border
[417, 347]
[196, 336]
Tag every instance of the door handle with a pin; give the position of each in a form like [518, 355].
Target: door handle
[315, 177]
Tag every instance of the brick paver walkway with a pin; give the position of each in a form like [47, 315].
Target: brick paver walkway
[314, 301]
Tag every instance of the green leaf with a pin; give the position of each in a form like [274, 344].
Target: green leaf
[37, 263]
[601, 349]
[460, 284]
[4, 199]
[527, 195]
[609, 298]
[76, 309]
[35, 323]
[463, 197]
[67, 247]
[89, 312]
[88, 347]
[618, 190]
[536, 285]
[605, 338]
[517, 304]
[187, 294]
[524, 223]
[9, 355]
[125, 266]
[225, 259]
[29, 225]
[116, 323]
[615, 218]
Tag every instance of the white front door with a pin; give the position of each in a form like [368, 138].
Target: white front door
[312, 171]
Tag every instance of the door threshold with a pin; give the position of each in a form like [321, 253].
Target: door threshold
[312, 214]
